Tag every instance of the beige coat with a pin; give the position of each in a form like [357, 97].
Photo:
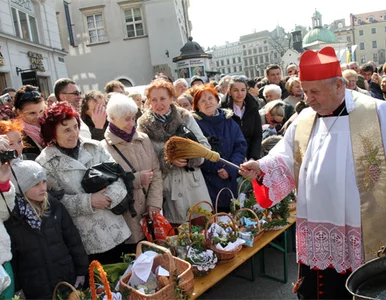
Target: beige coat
[140, 153]
[182, 188]
[100, 229]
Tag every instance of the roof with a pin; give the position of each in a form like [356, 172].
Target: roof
[378, 16]
[255, 35]
[321, 35]
[191, 50]
[317, 14]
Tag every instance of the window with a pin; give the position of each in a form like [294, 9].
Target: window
[3, 81]
[240, 68]
[222, 63]
[217, 64]
[134, 22]
[265, 48]
[227, 61]
[260, 49]
[245, 52]
[234, 60]
[229, 70]
[250, 62]
[371, 19]
[374, 44]
[44, 86]
[361, 32]
[363, 59]
[360, 21]
[362, 46]
[373, 30]
[261, 59]
[96, 28]
[384, 17]
[247, 73]
[266, 58]
[249, 52]
[256, 60]
[239, 59]
[375, 57]
[25, 25]
[254, 50]
[245, 62]
[234, 69]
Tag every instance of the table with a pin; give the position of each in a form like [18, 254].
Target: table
[201, 284]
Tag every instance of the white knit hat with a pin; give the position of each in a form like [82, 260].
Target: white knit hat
[28, 174]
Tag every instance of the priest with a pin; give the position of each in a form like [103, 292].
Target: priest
[334, 156]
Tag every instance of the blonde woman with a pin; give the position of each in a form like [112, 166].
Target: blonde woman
[46, 246]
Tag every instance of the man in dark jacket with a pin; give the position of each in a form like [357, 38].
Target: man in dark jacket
[274, 74]
[249, 122]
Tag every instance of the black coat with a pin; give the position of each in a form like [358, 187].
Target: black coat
[42, 258]
[250, 124]
[30, 149]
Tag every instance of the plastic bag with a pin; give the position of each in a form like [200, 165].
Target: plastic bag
[5, 279]
[157, 229]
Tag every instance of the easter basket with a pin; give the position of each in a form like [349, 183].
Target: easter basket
[179, 285]
[257, 231]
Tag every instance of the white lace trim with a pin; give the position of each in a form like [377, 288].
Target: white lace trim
[321, 245]
[278, 178]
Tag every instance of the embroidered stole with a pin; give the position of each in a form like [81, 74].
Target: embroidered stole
[370, 168]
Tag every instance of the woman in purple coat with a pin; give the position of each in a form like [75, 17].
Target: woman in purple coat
[225, 137]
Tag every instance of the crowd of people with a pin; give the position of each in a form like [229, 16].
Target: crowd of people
[50, 228]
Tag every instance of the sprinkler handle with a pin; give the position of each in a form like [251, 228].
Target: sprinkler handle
[229, 163]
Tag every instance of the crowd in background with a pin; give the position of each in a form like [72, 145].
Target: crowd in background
[53, 228]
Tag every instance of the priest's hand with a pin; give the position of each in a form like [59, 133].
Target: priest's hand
[250, 169]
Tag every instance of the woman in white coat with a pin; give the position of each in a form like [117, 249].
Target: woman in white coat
[66, 159]
[7, 203]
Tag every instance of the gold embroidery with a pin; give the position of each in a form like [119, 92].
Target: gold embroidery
[370, 163]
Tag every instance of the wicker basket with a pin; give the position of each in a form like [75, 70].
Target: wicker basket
[192, 211]
[172, 264]
[222, 256]
[196, 271]
[256, 218]
[75, 294]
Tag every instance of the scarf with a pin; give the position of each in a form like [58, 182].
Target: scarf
[163, 118]
[74, 152]
[121, 133]
[28, 213]
[34, 132]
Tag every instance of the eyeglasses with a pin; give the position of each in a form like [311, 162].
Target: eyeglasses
[75, 93]
[31, 95]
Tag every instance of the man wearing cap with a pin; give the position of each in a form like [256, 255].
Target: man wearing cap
[333, 155]
[196, 80]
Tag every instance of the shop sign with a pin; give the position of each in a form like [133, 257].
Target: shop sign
[36, 60]
[29, 78]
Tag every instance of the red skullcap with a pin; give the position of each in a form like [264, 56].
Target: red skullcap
[319, 65]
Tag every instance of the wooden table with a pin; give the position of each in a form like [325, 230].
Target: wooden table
[201, 284]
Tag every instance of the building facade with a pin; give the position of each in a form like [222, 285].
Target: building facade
[30, 47]
[227, 59]
[369, 36]
[129, 41]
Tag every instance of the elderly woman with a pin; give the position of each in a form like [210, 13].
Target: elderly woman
[29, 105]
[183, 182]
[246, 114]
[295, 91]
[351, 81]
[225, 137]
[131, 148]
[185, 100]
[66, 159]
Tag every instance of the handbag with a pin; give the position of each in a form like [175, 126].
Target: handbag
[101, 175]
[185, 132]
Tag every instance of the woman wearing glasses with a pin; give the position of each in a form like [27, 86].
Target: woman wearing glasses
[246, 114]
[29, 105]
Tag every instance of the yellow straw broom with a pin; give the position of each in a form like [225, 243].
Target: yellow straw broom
[183, 148]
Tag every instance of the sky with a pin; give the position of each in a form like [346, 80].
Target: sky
[217, 21]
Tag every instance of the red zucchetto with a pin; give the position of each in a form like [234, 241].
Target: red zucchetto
[319, 65]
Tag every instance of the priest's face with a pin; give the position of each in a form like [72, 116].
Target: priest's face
[324, 96]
